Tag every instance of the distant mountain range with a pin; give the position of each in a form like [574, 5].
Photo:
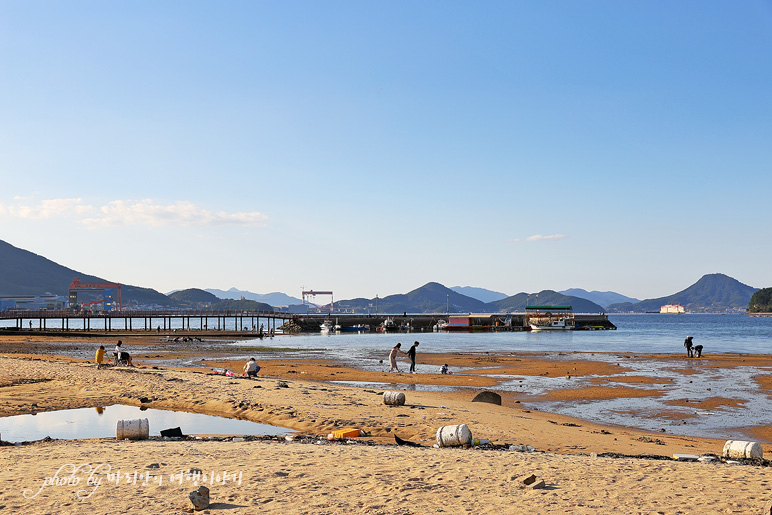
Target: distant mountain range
[603, 298]
[23, 273]
[436, 298]
[274, 299]
[713, 293]
[479, 293]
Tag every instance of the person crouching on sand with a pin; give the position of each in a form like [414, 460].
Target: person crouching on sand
[393, 357]
[251, 368]
[121, 355]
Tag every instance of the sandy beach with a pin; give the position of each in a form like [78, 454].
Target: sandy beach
[586, 467]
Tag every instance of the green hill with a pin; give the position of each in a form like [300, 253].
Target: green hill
[436, 298]
[429, 298]
[517, 303]
[26, 273]
[713, 293]
[194, 297]
[761, 301]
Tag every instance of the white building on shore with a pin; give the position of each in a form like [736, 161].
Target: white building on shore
[672, 309]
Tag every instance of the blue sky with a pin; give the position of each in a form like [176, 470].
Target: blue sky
[371, 147]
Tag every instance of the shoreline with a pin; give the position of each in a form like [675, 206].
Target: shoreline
[331, 375]
[651, 392]
[297, 477]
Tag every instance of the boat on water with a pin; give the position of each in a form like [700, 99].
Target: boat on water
[326, 326]
[388, 325]
[441, 325]
[549, 318]
[561, 324]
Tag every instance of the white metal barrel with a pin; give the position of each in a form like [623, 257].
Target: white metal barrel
[742, 449]
[137, 429]
[394, 398]
[454, 436]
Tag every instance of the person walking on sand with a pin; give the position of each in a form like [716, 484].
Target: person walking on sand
[688, 345]
[411, 354]
[393, 357]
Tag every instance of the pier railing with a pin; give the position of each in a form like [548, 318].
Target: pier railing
[141, 313]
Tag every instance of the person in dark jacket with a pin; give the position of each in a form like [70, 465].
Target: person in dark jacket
[411, 355]
[688, 345]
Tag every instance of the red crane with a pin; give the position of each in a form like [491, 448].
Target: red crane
[77, 286]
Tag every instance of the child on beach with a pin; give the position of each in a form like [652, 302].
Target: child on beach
[444, 369]
[100, 355]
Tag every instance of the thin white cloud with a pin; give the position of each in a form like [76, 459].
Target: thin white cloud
[121, 212]
[147, 212]
[540, 237]
[27, 208]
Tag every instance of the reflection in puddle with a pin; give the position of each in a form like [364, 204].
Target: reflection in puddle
[100, 422]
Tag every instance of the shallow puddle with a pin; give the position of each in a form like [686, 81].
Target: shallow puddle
[667, 411]
[101, 423]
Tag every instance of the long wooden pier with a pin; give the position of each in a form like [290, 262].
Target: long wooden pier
[145, 320]
[208, 322]
[426, 321]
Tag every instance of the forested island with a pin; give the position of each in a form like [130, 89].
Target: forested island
[761, 301]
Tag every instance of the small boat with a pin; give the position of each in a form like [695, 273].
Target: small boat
[441, 325]
[561, 324]
[388, 325]
[548, 317]
[326, 326]
[356, 328]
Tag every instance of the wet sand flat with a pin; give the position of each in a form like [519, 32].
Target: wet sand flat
[293, 477]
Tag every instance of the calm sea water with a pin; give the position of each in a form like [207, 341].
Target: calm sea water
[635, 333]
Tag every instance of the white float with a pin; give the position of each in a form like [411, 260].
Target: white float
[394, 398]
[742, 449]
[137, 429]
[454, 436]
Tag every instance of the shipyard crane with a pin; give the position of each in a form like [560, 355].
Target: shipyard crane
[312, 293]
[109, 292]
